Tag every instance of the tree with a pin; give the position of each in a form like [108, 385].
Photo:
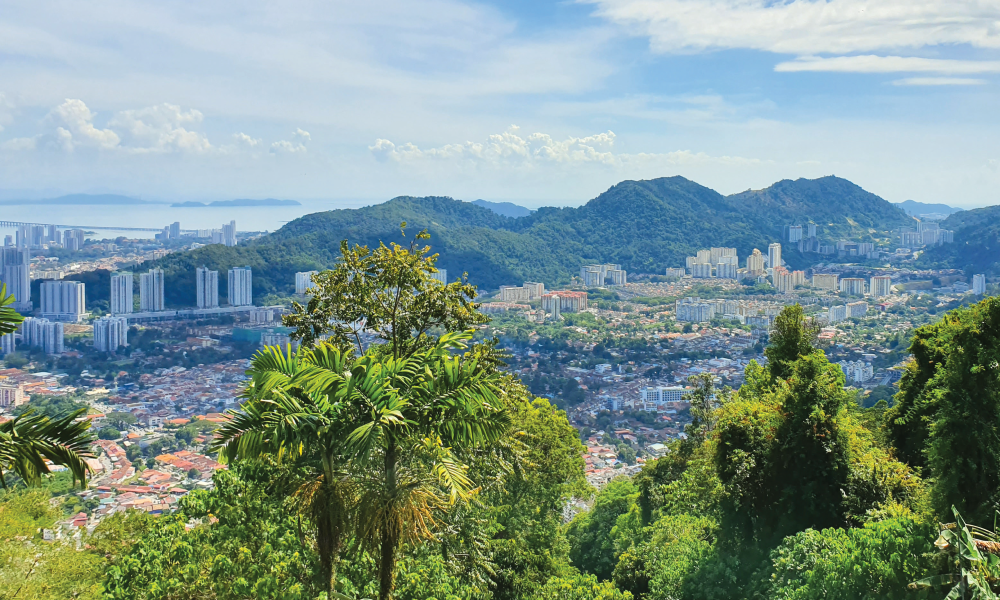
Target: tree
[580, 587]
[592, 547]
[108, 433]
[121, 420]
[791, 337]
[388, 291]
[401, 430]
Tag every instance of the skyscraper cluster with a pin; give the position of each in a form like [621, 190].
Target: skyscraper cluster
[598, 275]
[714, 262]
[43, 333]
[110, 333]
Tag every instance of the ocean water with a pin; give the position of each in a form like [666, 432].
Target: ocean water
[248, 218]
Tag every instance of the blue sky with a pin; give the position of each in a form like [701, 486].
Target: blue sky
[533, 102]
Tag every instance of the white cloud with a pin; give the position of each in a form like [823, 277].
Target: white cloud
[932, 81]
[160, 128]
[806, 26]
[19, 144]
[302, 134]
[246, 141]
[75, 127]
[888, 64]
[511, 149]
[286, 147]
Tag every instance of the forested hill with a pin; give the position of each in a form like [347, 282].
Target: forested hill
[977, 242]
[643, 225]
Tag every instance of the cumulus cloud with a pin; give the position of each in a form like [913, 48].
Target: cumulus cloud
[292, 147]
[19, 144]
[160, 128]
[75, 127]
[246, 141]
[300, 133]
[510, 148]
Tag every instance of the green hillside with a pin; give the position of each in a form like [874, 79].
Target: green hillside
[977, 242]
[643, 225]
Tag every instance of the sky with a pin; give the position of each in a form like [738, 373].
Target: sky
[530, 101]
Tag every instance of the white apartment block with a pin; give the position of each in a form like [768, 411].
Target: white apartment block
[837, 313]
[880, 285]
[794, 233]
[785, 280]
[303, 281]
[110, 333]
[676, 272]
[12, 395]
[240, 286]
[43, 333]
[653, 398]
[207, 288]
[597, 275]
[535, 290]
[121, 294]
[701, 270]
[727, 270]
[855, 286]
[229, 233]
[151, 291]
[716, 255]
[7, 343]
[811, 227]
[63, 300]
[857, 371]
[825, 281]
[262, 315]
[979, 284]
[857, 310]
[755, 263]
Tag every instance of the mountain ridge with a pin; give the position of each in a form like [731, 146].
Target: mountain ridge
[643, 225]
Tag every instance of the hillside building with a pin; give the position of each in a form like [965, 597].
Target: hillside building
[303, 281]
[151, 292]
[240, 286]
[854, 286]
[122, 302]
[979, 284]
[880, 286]
[207, 288]
[110, 333]
[825, 281]
[63, 300]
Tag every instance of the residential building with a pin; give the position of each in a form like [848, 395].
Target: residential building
[726, 255]
[701, 270]
[857, 371]
[7, 343]
[512, 293]
[63, 300]
[854, 286]
[857, 310]
[175, 230]
[121, 293]
[535, 290]
[207, 287]
[825, 281]
[151, 292]
[110, 333]
[598, 275]
[794, 233]
[240, 286]
[303, 281]
[837, 313]
[15, 273]
[441, 275]
[774, 255]
[755, 263]
[785, 280]
[653, 398]
[676, 272]
[229, 233]
[12, 395]
[880, 285]
[693, 310]
[43, 333]
[73, 239]
[726, 270]
[262, 315]
[564, 301]
[811, 230]
[979, 284]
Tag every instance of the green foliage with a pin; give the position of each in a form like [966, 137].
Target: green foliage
[791, 337]
[873, 562]
[247, 546]
[108, 433]
[948, 409]
[592, 547]
[10, 319]
[28, 440]
[388, 291]
[54, 407]
[580, 587]
[120, 420]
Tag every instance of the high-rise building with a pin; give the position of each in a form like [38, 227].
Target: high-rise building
[701, 270]
[217, 237]
[43, 333]
[207, 284]
[825, 281]
[303, 281]
[8, 240]
[63, 300]
[726, 270]
[441, 275]
[535, 290]
[837, 313]
[121, 293]
[979, 284]
[755, 263]
[12, 395]
[676, 272]
[15, 273]
[880, 285]
[564, 301]
[854, 286]
[7, 344]
[151, 291]
[514, 293]
[716, 255]
[175, 230]
[597, 275]
[110, 333]
[73, 239]
[774, 255]
[240, 286]
[794, 233]
[856, 310]
[229, 233]
[811, 228]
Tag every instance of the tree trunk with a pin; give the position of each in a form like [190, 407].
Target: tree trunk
[326, 545]
[390, 533]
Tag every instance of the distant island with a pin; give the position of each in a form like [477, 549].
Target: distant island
[238, 202]
[81, 200]
[917, 209]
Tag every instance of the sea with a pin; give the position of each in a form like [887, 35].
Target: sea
[155, 217]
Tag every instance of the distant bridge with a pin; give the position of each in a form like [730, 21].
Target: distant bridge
[5, 224]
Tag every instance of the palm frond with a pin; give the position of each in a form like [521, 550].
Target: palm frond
[28, 440]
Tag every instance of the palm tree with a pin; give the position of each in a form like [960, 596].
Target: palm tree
[397, 432]
[28, 440]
